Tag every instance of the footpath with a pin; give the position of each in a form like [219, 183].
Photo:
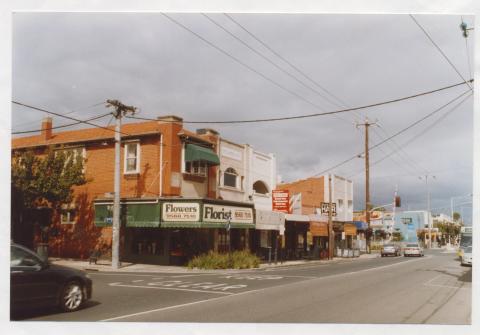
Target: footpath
[106, 265]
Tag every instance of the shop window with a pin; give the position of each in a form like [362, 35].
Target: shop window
[132, 157]
[68, 216]
[223, 240]
[230, 178]
[259, 187]
[197, 168]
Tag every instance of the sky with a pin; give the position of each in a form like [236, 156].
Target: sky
[190, 66]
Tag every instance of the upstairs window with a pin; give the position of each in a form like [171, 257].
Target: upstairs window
[75, 153]
[197, 168]
[230, 178]
[259, 187]
[132, 157]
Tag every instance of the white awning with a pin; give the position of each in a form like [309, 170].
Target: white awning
[297, 217]
[268, 220]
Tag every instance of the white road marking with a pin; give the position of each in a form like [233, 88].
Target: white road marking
[255, 291]
[252, 277]
[137, 281]
[429, 283]
[169, 288]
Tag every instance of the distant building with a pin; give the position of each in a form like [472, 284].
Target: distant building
[409, 222]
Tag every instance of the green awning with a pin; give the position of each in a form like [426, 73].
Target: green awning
[180, 224]
[143, 215]
[103, 215]
[197, 153]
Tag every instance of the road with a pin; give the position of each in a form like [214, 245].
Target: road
[434, 289]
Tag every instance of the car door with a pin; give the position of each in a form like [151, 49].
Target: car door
[31, 284]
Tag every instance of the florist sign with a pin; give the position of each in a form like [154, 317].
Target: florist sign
[222, 214]
[180, 211]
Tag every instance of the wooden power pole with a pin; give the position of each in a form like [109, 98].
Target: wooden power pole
[120, 111]
[367, 179]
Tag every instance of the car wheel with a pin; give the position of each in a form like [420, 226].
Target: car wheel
[71, 297]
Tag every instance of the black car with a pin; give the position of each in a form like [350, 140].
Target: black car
[34, 282]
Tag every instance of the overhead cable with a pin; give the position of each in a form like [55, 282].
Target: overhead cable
[394, 135]
[66, 117]
[311, 115]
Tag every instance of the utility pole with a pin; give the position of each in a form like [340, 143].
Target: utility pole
[367, 178]
[330, 224]
[120, 111]
[428, 211]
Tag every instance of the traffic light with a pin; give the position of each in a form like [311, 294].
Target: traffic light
[398, 202]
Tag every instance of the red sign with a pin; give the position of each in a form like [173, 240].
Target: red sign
[281, 201]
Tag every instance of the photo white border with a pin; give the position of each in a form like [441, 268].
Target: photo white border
[280, 6]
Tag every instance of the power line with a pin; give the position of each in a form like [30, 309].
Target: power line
[286, 61]
[312, 115]
[427, 129]
[64, 116]
[75, 110]
[242, 63]
[274, 64]
[394, 135]
[440, 50]
[62, 126]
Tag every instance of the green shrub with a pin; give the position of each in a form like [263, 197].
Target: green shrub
[215, 260]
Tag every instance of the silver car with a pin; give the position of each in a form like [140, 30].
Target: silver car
[412, 249]
[466, 258]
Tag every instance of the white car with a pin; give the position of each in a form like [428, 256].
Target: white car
[466, 258]
[412, 249]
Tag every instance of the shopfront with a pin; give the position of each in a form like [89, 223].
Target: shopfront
[269, 231]
[173, 231]
[295, 242]
[319, 231]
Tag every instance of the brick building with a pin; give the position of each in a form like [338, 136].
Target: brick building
[171, 207]
[309, 230]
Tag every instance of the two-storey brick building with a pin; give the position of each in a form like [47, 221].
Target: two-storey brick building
[171, 205]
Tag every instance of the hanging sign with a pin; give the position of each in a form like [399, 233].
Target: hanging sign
[281, 201]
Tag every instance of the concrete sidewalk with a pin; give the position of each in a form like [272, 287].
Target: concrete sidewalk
[106, 265]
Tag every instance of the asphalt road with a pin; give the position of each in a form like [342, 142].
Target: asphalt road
[434, 289]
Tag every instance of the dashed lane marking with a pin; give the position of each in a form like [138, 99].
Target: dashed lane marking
[171, 289]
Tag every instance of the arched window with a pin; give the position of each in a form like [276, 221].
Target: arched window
[230, 178]
[259, 187]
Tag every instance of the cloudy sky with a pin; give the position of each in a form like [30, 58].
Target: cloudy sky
[218, 67]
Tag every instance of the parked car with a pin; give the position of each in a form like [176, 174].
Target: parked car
[466, 258]
[35, 282]
[412, 249]
[391, 249]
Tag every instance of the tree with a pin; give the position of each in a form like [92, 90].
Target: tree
[45, 181]
[456, 216]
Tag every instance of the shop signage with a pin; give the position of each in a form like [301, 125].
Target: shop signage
[325, 206]
[350, 229]
[319, 228]
[222, 214]
[180, 211]
[281, 201]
